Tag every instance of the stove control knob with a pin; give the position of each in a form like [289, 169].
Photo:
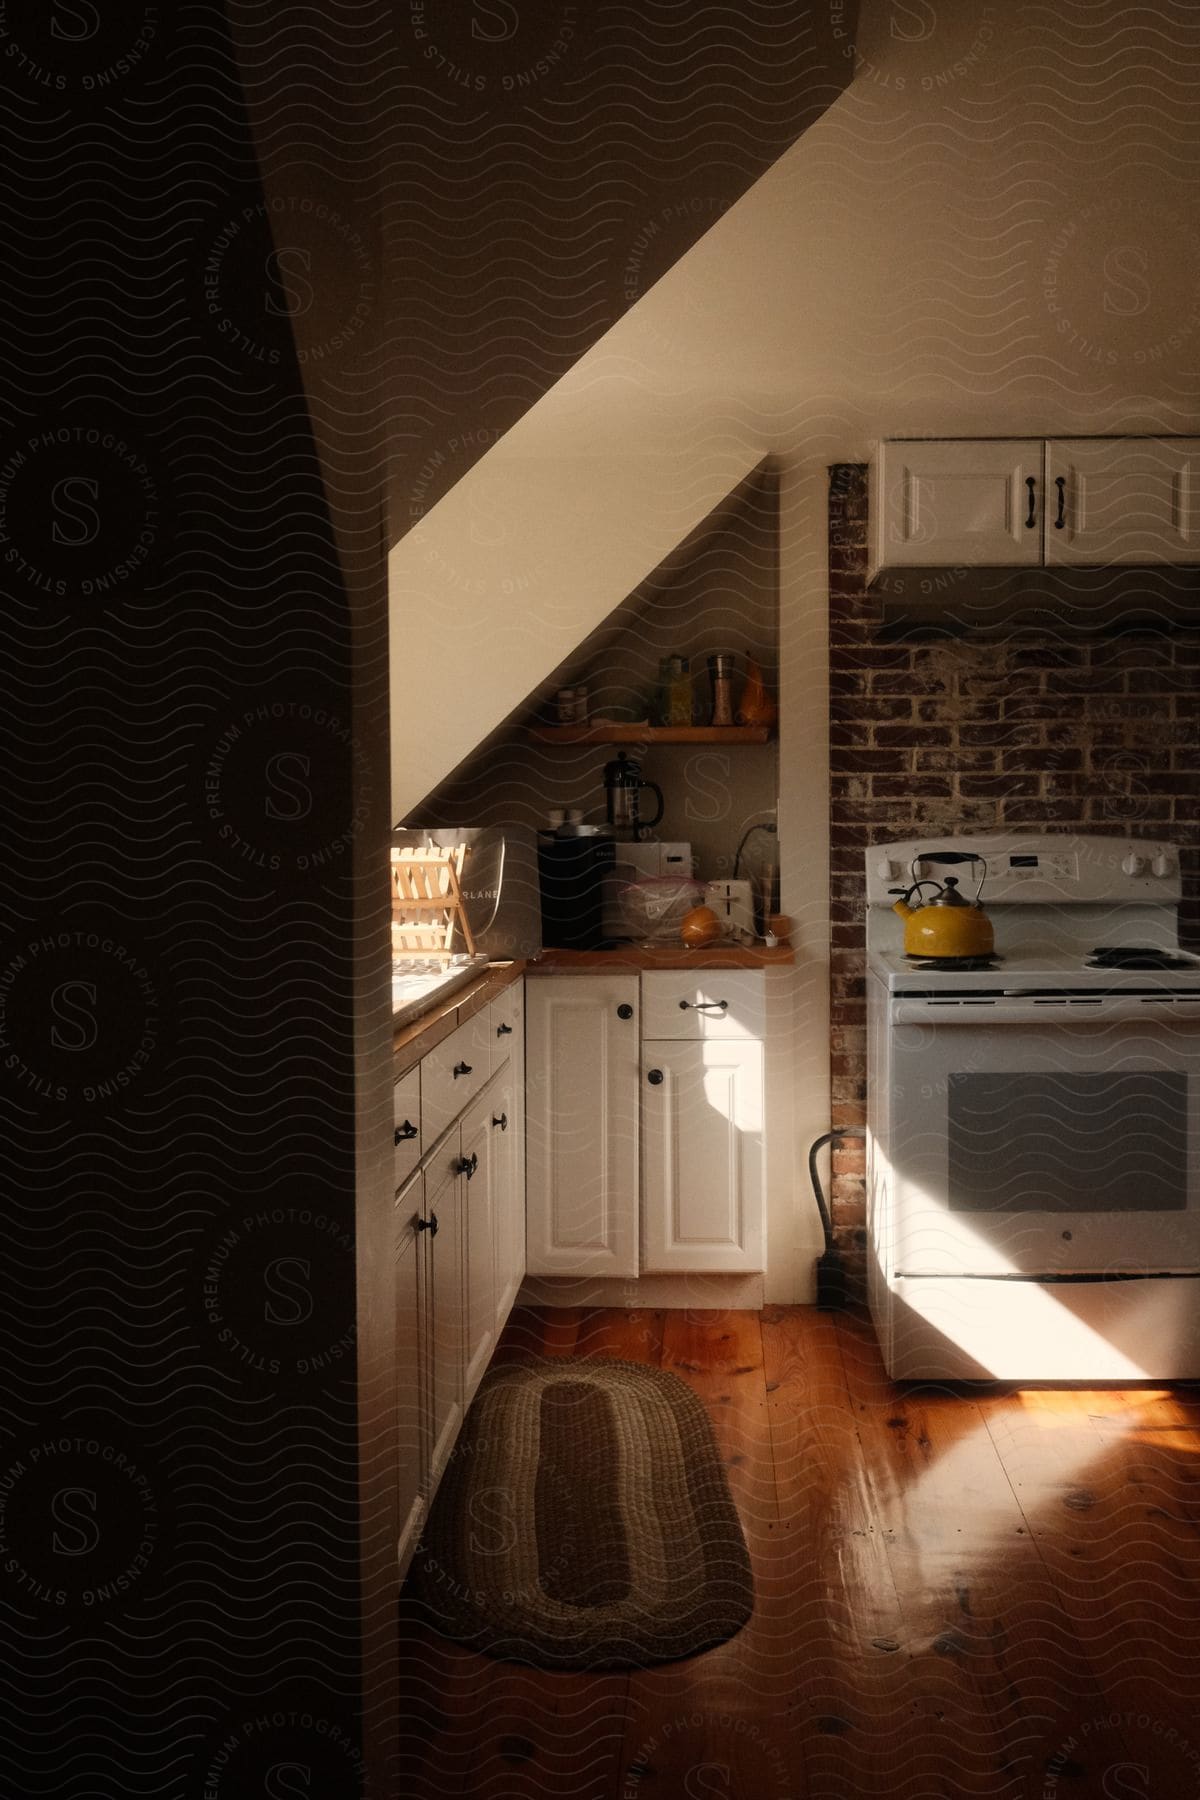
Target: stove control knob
[1134, 865]
[1161, 864]
[887, 870]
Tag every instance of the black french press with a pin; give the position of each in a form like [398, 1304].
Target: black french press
[623, 783]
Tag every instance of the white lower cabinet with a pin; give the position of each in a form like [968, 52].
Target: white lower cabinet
[507, 1126]
[646, 1155]
[581, 1101]
[443, 1306]
[703, 1173]
[411, 1400]
[460, 1249]
[478, 1164]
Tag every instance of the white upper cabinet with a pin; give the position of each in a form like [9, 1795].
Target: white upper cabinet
[944, 502]
[1033, 503]
[1123, 500]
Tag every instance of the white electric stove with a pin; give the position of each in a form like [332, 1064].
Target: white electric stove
[1034, 1118]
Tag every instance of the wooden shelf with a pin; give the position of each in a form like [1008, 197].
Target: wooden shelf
[600, 733]
[665, 956]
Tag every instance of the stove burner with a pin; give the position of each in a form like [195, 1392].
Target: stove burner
[1135, 957]
[968, 963]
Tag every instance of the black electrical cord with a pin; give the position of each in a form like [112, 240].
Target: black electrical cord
[746, 836]
[831, 1274]
[847, 1131]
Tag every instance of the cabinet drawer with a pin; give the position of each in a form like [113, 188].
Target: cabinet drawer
[453, 1074]
[507, 1018]
[715, 1003]
[406, 1120]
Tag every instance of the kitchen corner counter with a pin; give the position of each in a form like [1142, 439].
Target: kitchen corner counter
[414, 1040]
[632, 956]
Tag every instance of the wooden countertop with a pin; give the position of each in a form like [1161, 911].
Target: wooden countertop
[416, 1039]
[670, 956]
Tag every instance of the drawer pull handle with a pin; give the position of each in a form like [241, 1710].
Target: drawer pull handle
[504, 1031]
[655, 1077]
[406, 1132]
[468, 1165]
[461, 1069]
[430, 1225]
[502, 1121]
[1031, 520]
[704, 1005]
[624, 1012]
[1061, 516]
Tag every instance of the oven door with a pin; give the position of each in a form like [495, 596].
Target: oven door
[1044, 1137]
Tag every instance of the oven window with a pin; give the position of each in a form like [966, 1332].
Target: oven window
[1068, 1143]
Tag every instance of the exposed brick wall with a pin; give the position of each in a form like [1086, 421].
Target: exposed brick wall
[975, 733]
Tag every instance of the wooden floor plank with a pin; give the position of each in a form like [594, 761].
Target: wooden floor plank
[995, 1660]
[959, 1593]
[843, 1663]
[1110, 1484]
[633, 1336]
[719, 1356]
[708, 1724]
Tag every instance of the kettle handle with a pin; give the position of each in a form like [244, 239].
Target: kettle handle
[906, 894]
[648, 824]
[956, 856]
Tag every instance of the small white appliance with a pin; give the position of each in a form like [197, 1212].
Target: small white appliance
[1034, 1119]
[639, 862]
[733, 905]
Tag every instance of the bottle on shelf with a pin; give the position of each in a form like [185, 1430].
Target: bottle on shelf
[755, 706]
[720, 669]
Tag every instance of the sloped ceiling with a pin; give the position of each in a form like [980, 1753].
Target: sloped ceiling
[555, 164]
[514, 569]
[550, 162]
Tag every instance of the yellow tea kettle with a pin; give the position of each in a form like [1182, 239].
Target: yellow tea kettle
[948, 926]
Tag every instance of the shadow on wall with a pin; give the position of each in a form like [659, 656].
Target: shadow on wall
[720, 592]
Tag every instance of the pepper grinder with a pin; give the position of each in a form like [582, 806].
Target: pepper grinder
[720, 670]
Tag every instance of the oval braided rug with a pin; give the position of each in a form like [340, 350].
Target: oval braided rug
[585, 1521]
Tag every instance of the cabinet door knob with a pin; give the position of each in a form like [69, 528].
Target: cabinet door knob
[430, 1225]
[624, 1012]
[406, 1131]
[655, 1077]
[461, 1069]
[468, 1165]
[504, 1031]
[502, 1121]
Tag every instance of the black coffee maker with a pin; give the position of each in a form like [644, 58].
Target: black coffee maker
[623, 785]
[572, 877]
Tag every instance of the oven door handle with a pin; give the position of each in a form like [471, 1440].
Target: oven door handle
[1116, 1010]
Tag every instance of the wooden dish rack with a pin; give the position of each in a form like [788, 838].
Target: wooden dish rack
[427, 903]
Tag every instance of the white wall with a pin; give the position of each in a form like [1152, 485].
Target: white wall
[991, 232]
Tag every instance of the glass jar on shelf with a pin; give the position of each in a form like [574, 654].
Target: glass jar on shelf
[674, 691]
